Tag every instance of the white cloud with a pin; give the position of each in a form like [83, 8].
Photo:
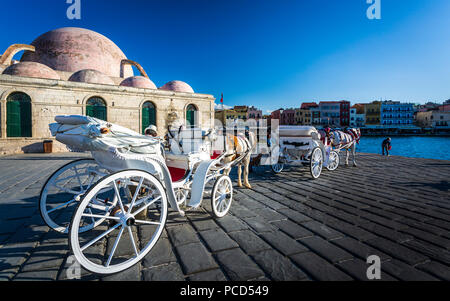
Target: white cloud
[219, 106]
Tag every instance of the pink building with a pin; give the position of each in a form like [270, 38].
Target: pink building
[254, 113]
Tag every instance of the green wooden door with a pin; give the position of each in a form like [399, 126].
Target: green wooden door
[98, 112]
[18, 119]
[148, 118]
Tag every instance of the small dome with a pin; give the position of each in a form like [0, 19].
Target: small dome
[138, 82]
[31, 69]
[91, 77]
[177, 86]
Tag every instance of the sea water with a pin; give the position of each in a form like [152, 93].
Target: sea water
[409, 146]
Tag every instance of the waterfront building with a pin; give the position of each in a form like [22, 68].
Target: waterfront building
[445, 107]
[373, 113]
[335, 113]
[436, 119]
[357, 116]
[288, 117]
[302, 117]
[78, 71]
[396, 113]
[315, 115]
[254, 113]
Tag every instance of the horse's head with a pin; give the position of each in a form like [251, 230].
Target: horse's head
[210, 135]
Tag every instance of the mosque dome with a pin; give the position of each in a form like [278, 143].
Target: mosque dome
[91, 77]
[177, 86]
[31, 69]
[72, 49]
[138, 82]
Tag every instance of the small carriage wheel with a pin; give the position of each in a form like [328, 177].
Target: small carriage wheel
[222, 196]
[333, 161]
[57, 214]
[278, 167]
[125, 238]
[316, 163]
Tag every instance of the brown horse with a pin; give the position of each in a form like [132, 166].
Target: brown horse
[239, 150]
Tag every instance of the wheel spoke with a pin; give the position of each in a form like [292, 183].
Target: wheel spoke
[147, 222]
[136, 193]
[145, 206]
[101, 216]
[116, 189]
[78, 178]
[116, 243]
[99, 237]
[132, 241]
[61, 206]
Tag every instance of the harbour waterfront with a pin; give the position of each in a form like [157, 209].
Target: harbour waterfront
[409, 146]
[288, 227]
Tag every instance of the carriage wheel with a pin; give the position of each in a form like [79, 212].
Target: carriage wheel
[316, 163]
[126, 235]
[222, 196]
[277, 168]
[333, 161]
[64, 190]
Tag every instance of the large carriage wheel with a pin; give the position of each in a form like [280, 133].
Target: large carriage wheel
[222, 196]
[63, 191]
[278, 167]
[316, 163]
[333, 161]
[129, 231]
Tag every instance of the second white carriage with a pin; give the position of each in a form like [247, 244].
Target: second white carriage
[302, 145]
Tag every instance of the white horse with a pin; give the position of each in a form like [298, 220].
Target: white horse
[346, 141]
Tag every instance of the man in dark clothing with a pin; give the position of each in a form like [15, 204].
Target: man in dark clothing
[386, 146]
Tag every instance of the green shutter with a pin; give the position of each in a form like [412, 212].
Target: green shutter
[13, 119]
[25, 119]
[190, 118]
[148, 118]
[98, 112]
[90, 111]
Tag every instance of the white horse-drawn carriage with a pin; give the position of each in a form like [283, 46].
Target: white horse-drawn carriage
[302, 145]
[114, 207]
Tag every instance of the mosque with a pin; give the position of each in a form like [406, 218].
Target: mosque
[78, 71]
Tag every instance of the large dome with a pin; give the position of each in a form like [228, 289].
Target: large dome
[138, 82]
[31, 69]
[177, 86]
[91, 77]
[73, 49]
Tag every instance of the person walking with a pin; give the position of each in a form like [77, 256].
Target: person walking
[386, 146]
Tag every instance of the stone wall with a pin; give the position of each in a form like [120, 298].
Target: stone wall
[124, 106]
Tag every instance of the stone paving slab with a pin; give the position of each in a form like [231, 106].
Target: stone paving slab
[288, 227]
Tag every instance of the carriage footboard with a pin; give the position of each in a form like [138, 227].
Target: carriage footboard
[199, 183]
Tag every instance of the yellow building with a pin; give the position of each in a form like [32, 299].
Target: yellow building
[373, 113]
[302, 117]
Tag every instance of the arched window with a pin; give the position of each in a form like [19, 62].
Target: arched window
[96, 107]
[191, 116]
[18, 115]
[148, 115]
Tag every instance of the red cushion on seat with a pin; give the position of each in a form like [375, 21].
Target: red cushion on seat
[216, 154]
[177, 174]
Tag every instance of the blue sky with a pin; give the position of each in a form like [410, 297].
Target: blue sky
[267, 53]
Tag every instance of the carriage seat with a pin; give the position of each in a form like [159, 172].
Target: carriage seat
[179, 164]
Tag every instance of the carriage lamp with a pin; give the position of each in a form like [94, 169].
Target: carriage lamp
[104, 131]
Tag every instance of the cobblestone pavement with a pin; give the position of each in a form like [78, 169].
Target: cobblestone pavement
[288, 227]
